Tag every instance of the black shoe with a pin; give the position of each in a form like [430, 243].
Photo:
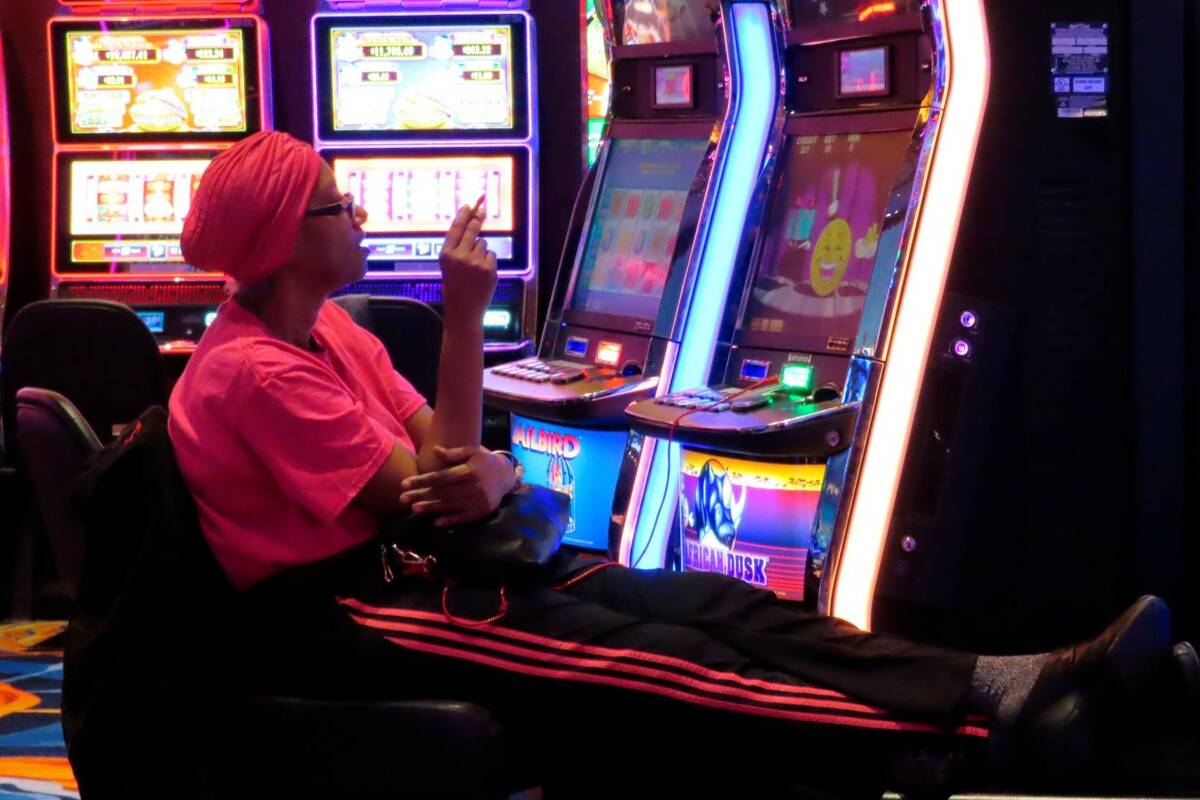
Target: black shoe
[1187, 662]
[1079, 688]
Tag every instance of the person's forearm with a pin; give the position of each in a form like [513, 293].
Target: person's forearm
[458, 416]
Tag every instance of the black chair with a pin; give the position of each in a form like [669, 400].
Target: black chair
[56, 442]
[96, 352]
[296, 747]
[411, 332]
[100, 355]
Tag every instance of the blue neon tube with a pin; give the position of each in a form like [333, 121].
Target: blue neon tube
[754, 73]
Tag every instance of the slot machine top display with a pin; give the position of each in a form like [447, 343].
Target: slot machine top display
[421, 112]
[141, 106]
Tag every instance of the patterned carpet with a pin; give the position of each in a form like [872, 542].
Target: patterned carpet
[33, 755]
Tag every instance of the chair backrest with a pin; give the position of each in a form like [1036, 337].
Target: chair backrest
[56, 443]
[95, 352]
[411, 332]
[152, 592]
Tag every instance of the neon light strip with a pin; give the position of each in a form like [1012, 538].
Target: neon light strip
[754, 68]
[4, 184]
[967, 72]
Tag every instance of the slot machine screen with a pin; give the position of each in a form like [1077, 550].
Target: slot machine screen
[825, 225]
[129, 81]
[673, 87]
[863, 72]
[411, 200]
[383, 78]
[635, 225]
[659, 21]
[124, 214]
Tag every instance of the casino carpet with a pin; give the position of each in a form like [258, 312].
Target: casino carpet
[33, 755]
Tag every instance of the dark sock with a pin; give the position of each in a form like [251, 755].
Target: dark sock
[1000, 685]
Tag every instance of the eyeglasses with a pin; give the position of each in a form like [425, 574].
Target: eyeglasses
[343, 206]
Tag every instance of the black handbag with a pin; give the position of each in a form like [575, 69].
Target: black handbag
[515, 545]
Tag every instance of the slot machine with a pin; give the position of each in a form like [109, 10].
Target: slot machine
[145, 96]
[422, 108]
[783, 472]
[651, 249]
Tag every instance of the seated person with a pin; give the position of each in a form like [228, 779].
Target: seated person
[298, 440]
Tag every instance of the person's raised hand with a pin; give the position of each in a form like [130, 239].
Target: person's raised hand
[468, 269]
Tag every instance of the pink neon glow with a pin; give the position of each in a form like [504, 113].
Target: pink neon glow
[148, 7]
[967, 79]
[4, 184]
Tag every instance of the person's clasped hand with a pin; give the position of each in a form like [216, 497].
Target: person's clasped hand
[469, 488]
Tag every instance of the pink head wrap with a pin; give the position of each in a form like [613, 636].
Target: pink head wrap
[247, 212]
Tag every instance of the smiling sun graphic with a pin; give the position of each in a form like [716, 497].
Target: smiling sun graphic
[830, 257]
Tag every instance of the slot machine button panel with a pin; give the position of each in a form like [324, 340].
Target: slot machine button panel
[745, 404]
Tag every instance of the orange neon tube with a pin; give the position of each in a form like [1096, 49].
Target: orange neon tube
[967, 73]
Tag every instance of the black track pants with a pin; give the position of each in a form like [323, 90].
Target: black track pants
[604, 662]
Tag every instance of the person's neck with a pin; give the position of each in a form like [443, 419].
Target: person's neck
[287, 309]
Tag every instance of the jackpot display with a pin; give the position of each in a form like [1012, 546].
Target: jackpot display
[635, 225]
[811, 285]
[124, 213]
[174, 80]
[411, 200]
[748, 520]
[422, 78]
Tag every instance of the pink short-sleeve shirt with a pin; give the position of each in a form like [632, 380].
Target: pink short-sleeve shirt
[274, 441]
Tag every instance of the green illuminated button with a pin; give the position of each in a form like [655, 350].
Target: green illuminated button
[497, 318]
[797, 376]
